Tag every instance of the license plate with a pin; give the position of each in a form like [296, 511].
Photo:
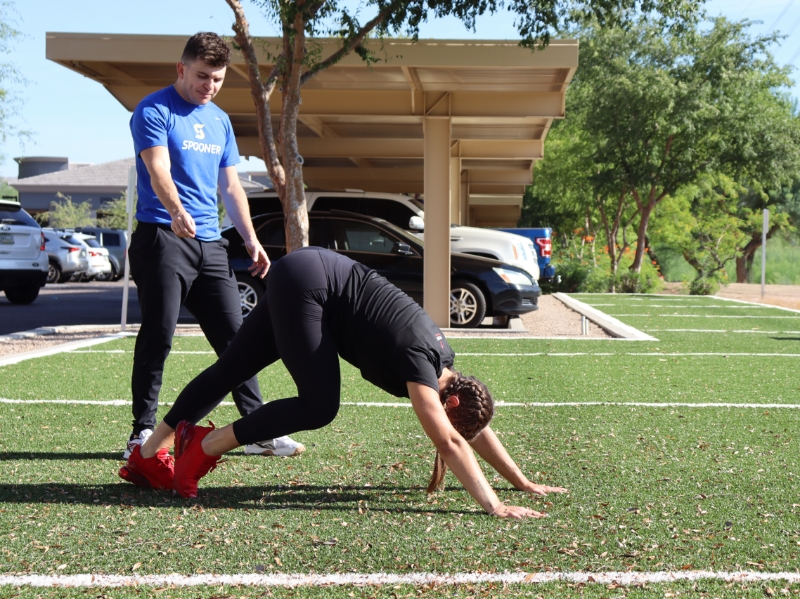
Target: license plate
[6, 239]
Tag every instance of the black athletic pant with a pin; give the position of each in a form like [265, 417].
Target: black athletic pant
[170, 272]
[291, 325]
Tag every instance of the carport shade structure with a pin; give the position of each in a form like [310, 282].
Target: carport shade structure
[460, 121]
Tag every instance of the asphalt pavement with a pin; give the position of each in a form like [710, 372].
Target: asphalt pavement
[61, 304]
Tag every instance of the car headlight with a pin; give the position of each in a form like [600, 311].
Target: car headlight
[513, 276]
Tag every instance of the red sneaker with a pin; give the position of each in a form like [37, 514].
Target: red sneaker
[156, 472]
[191, 462]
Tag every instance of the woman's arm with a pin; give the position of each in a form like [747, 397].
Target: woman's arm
[457, 453]
[490, 449]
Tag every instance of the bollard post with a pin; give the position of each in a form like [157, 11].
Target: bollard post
[130, 207]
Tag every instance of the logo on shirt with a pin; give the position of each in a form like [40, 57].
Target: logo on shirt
[201, 147]
[198, 131]
[439, 338]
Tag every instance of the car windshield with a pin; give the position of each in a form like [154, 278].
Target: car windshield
[402, 233]
[72, 240]
[417, 203]
[92, 242]
[15, 215]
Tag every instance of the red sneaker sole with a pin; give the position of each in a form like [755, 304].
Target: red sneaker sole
[134, 477]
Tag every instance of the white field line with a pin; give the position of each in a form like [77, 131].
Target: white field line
[548, 354]
[128, 351]
[736, 301]
[711, 316]
[656, 354]
[662, 297]
[380, 578]
[57, 349]
[693, 306]
[399, 404]
[725, 331]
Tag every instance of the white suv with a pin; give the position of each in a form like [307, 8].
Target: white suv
[407, 213]
[23, 259]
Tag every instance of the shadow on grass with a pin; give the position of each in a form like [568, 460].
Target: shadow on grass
[275, 497]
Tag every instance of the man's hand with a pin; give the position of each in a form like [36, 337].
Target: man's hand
[183, 225]
[542, 490]
[261, 262]
[515, 511]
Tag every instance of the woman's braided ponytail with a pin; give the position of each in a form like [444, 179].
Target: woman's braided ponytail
[474, 411]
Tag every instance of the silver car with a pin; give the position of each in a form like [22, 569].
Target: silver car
[99, 264]
[66, 258]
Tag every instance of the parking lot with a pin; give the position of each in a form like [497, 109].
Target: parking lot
[93, 303]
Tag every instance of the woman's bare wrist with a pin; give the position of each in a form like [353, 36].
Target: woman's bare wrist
[496, 509]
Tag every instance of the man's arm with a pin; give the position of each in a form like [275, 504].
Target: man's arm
[235, 201]
[156, 159]
[490, 449]
[457, 453]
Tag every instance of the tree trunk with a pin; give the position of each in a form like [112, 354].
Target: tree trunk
[592, 232]
[742, 270]
[612, 229]
[293, 198]
[641, 233]
[284, 163]
[693, 262]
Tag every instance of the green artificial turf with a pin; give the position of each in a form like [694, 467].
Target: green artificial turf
[652, 488]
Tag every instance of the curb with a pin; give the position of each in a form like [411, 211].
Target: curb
[608, 323]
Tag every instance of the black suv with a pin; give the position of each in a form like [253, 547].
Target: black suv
[479, 287]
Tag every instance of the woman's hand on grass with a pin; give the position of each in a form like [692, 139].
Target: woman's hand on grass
[542, 490]
[516, 511]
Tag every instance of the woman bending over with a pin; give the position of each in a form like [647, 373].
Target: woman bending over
[320, 305]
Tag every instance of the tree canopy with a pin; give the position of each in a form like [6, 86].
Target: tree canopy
[297, 60]
[652, 111]
[9, 74]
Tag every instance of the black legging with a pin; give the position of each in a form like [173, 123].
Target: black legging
[291, 325]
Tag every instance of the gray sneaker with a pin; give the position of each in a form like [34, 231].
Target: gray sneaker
[138, 440]
[282, 446]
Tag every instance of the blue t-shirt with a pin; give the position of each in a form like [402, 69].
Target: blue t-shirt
[200, 141]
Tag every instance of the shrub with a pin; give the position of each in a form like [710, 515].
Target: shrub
[579, 276]
[587, 275]
[704, 286]
[646, 281]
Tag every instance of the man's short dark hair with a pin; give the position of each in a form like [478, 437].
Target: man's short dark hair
[208, 47]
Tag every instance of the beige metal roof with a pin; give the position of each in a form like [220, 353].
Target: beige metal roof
[362, 126]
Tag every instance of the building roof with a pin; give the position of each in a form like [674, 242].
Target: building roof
[109, 176]
[112, 176]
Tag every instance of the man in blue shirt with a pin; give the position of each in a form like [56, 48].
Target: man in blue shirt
[185, 150]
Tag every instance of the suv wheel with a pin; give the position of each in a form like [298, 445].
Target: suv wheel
[116, 274]
[105, 276]
[467, 305]
[53, 273]
[250, 292]
[22, 295]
